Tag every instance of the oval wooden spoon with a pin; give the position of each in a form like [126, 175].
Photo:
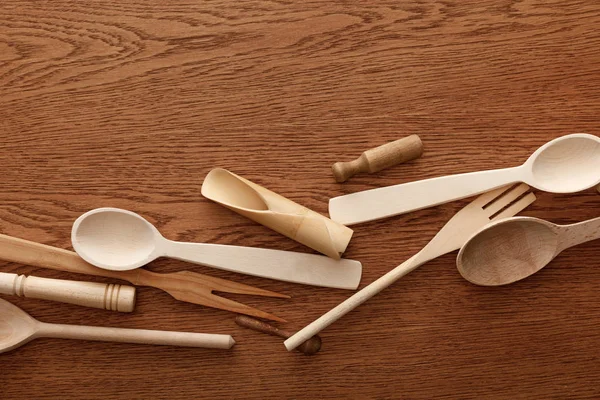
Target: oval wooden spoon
[17, 328]
[512, 249]
[121, 240]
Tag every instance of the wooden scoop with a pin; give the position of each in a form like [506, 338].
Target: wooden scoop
[513, 249]
[17, 328]
[277, 212]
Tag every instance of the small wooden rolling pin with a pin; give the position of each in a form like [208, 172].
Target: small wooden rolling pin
[310, 347]
[88, 294]
[385, 156]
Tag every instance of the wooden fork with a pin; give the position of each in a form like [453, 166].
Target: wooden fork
[491, 206]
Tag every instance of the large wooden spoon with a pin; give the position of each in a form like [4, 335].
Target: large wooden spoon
[512, 249]
[567, 164]
[17, 328]
[121, 240]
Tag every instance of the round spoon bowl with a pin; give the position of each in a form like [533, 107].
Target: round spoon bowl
[114, 239]
[507, 251]
[16, 327]
[568, 164]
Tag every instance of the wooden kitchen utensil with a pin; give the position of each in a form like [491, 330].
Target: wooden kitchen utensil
[121, 240]
[276, 212]
[310, 347]
[88, 294]
[564, 165]
[379, 158]
[487, 207]
[17, 328]
[185, 286]
[513, 249]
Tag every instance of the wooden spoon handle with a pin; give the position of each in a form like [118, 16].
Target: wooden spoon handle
[142, 336]
[582, 232]
[388, 201]
[288, 266]
[88, 294]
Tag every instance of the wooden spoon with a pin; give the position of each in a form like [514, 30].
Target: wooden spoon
[121, 240]
[512, 249]
[17, 328]
[567, 164]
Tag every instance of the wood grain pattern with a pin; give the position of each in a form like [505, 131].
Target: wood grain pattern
[130, 104]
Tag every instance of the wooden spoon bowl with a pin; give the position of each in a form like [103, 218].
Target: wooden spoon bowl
[16, 327]
[512, 249]
[507, 251]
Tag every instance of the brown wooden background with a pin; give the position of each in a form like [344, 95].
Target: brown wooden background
[131, 103]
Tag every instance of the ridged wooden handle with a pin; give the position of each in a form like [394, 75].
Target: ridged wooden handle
[385, 156]
[88, 294]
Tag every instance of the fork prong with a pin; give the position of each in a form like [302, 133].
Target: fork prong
[486, 198]
[500, 202]
[516, 208]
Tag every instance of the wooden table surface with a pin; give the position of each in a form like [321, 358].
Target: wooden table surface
[130, 104]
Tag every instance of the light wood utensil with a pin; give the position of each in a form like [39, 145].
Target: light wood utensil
[276, 212]
[488, 207]
[310, 347]
[88, 294]
[379, 158]
[17, 328]
[121, 240]
[513, 249]
[185, 286]
[564, 165]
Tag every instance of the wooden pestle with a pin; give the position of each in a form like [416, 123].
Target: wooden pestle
[378, 158]
[310, 347]
[111, 297]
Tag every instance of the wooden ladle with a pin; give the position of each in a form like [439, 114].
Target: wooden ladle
[17, 328]
[512, 249]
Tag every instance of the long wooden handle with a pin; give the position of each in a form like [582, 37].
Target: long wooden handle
[308, 269]
[88, 294]
[388, 201]
[142, 336]
[378, 158]
[352, 302]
